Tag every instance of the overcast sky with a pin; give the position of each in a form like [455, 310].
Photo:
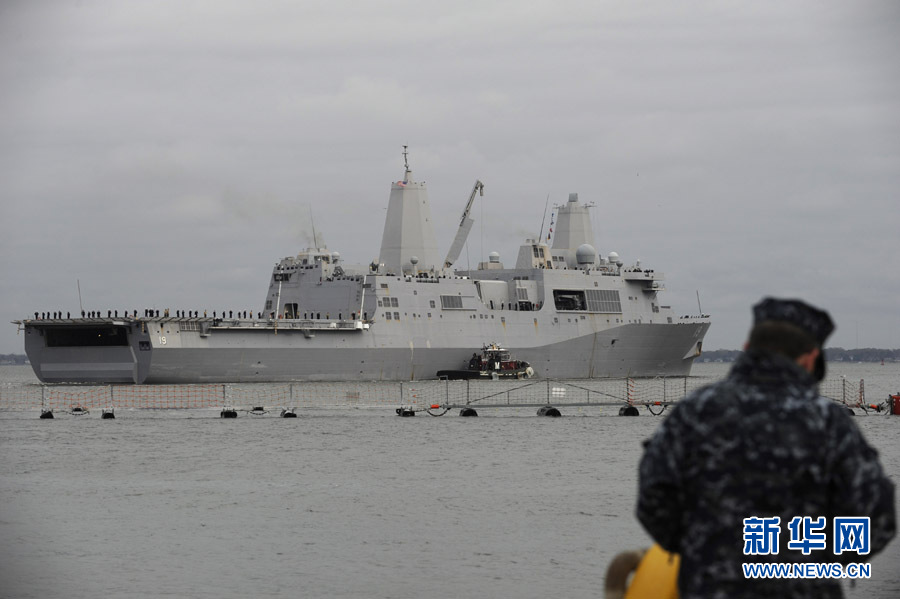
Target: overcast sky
[168, 153]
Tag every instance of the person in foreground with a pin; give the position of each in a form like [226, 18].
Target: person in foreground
[757, 468]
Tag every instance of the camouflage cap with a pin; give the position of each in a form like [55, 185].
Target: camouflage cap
[812, 320]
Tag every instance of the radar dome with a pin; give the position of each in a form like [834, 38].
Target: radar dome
[494, 257]
[585, 254]
[413, 260]
[613, 257]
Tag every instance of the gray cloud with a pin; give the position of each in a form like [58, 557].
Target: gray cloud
[167, 154]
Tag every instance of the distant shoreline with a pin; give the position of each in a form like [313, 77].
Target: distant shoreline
[832, 354]
[13, 359]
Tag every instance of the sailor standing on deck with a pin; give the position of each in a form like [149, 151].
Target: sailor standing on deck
[763, 445]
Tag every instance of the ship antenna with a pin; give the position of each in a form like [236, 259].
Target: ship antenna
[313, 223]
[698, 303]
[80, 305]
[541, 236]
[405, 158]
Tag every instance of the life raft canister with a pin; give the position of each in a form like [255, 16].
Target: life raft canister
[655, 575]
[895, 404]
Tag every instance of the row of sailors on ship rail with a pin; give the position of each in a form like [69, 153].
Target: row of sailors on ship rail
[154, 313]
[148, 313]
[521, 306]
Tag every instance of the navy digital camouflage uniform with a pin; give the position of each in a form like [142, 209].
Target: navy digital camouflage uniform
[760, 443]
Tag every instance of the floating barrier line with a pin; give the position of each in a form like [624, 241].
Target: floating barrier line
[654, 393]
[573, 404]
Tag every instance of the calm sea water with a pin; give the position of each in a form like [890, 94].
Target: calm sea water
[338, 502]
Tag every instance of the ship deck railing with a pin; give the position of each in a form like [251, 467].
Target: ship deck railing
[210, 321]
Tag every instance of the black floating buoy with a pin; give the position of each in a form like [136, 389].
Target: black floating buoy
[405, 412]
[628, 411]
[548, 411]
[468, 412]
[228, 413]
[107, 414]
[288, 413]
[45, 414]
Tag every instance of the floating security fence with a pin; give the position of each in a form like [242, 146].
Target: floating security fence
[652, 393]
[204, 396]
[538, 392]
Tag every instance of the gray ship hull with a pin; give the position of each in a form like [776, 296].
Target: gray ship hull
[271, 354]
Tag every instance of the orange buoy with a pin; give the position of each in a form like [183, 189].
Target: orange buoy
[435, 406]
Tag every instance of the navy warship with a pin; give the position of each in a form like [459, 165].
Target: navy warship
[566, 310]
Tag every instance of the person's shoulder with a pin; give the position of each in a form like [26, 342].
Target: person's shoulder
[836, 415]
[839, 427]
[709, 397]
[699, 409]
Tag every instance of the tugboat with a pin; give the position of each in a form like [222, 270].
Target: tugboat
[494, 363]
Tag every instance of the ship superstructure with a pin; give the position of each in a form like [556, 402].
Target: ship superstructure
[563, 308]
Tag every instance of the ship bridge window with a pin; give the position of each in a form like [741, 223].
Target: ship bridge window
[451, 302]
[283, 276]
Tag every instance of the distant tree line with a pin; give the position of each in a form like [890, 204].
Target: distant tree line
[833, 354]
[13, 358]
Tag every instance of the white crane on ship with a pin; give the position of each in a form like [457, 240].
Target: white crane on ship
[465, 225]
